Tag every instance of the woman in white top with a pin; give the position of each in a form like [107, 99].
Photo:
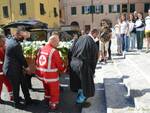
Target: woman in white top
[147, 30]
[139, 24]
[124, 32]
[118, 37]
[132, 31]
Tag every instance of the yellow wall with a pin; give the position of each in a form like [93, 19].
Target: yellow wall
[49, 15]
[3, 20]
[33, 11]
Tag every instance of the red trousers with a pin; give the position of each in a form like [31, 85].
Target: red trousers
[4, 80]
[52, 92]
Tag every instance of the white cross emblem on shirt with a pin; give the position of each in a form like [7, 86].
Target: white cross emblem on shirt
[42, 60]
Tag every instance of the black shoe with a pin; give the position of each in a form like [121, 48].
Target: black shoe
[2, 101]
[19, 106]
[109, 58]
[20, 99]
[102, 60]
[30, 102]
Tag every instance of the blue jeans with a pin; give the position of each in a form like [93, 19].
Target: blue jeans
[132, 40]
[125, 42]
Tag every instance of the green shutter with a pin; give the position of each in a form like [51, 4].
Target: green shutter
[132, 8]
[92, 9]
[118, 8]
[146, 7]
[102, 9]
[110, 10]
[82, 9]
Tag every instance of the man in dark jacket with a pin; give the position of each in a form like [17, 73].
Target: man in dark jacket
[83, 63]
[14, 64]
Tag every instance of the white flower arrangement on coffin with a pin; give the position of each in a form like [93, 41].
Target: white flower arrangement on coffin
[30, 48]
[63, 48]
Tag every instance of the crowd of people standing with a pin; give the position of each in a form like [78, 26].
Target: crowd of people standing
[130, 32]
[15, 69]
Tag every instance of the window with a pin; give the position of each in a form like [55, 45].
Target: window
[124, 8]
[73, 11]
[99, 9]
[114, 8]
[55, 12]
[42, 10]
[86, 9]
[146, 7]
[5, 12]
[23, 9]
[132, 8]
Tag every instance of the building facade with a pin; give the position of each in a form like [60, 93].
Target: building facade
[44, 10]
[89, 13]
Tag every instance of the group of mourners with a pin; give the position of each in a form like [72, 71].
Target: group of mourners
[14, 69]
[130, 32]
[82, 59]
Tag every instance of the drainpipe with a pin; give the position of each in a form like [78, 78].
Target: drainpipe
[92, 12]
[10, 6]
[128, 2]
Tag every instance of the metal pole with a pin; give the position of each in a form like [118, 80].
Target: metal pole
[128, 2]
[92, 12]
[10, 5]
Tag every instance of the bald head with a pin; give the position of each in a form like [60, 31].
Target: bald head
[53, 40]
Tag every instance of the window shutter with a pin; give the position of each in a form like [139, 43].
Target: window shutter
[92, 9]
[102, 9]
[82, 9]
[110, 8]
[132, 8]
[146, 7]
[118, 8]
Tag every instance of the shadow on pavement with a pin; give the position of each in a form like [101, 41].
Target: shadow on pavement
[138, 93]
[116, 93]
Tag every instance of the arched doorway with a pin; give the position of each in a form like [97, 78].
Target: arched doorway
[74, 23]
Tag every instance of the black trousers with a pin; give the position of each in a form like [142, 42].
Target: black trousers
[28, 79]
[109, 49]
[17, 80]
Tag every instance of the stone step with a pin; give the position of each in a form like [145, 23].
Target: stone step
[116, 99]
[116, 57]
[133, 75]
[98, 104]
[137, 81]
[142, 93]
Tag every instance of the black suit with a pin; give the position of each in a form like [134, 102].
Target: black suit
[83, 63]
[13, 68]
